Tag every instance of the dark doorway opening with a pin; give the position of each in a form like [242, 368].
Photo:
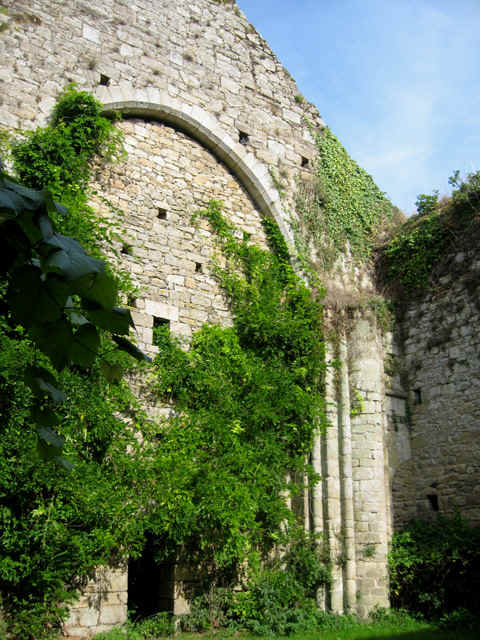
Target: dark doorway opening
[150, 583]
[433, 502]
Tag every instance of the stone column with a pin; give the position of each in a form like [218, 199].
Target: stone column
[331, 488]
[317, 503]
[346, 481]
[368, 462]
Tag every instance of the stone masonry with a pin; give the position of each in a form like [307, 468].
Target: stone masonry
[209, 113]
[441, 360]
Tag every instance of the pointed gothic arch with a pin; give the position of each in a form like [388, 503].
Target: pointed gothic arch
[153, 104]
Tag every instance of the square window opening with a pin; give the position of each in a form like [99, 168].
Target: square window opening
[162, 214]
[198, 267]
[127, 249]
[243, 137]
[305, 162]
[104, 80]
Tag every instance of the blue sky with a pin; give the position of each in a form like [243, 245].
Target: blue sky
[397, 81]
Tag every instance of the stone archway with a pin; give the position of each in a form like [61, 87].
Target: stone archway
[155, 104]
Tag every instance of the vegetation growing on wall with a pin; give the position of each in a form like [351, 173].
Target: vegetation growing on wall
[248, 400]
[435, 567]
[424, 244]
[341, 206]
[211, 483]
[56, 301]
[59, 158]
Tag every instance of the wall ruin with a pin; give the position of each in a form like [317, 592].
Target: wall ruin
[441, 364]
[210, 113]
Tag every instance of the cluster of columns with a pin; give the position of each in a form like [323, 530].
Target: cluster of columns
[348, 507]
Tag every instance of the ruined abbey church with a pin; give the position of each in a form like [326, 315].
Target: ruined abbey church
[209, 113]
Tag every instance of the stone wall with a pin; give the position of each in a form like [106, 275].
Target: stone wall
[102, 605]
[442, 366]
[166, 179]
[209, 113]
[202, 54]
[400, 479]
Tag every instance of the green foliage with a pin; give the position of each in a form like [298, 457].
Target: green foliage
[53, 288]
[413, 252]
[422, 245]
[460, 619]
[59, 158]
[57, 525]
[277, 598]
[426, 205]
[154, 627]
[247, 400]
[435, 567]
[60, 385]
[357, 404]
[342, 205]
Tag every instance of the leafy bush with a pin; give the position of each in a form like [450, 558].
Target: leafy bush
[57, 525]
[154, 627]
[460, 619]
[279, 597]
[415, 250]
[421, 246]
[157, 626]
[435, 567]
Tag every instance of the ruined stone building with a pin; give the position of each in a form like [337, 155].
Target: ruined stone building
[209, 113]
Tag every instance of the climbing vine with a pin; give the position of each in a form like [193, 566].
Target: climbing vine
[59, 157]
[248, 400]
[341, 206]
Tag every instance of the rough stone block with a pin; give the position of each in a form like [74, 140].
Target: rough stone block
[113, 614]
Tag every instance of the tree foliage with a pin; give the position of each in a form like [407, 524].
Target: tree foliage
[60, 295]
[60, 383]
[247, 400]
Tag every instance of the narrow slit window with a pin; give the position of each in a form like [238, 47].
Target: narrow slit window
[104, 80]
[243, 137]
[162, 213]
[305, 162]
[161, 329]
[417, 396]
[198, 267]
[433, 501]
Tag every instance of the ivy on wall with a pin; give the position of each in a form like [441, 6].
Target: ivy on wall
[341, 206]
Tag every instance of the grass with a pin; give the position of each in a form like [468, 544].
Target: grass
[390, 628]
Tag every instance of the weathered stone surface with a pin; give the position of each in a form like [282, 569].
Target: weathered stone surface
[441, 363]
[190, 76]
